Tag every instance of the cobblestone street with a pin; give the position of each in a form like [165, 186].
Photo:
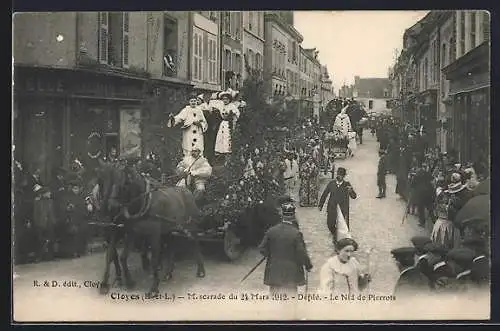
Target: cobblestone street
[375, 223]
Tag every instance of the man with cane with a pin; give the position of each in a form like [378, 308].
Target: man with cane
[284, 247]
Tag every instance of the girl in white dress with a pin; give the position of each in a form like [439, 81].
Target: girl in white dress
[340, 273]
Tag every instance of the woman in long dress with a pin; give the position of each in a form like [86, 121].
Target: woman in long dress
[449, 201]
[340, 273]
[309, 188]
[230, 114]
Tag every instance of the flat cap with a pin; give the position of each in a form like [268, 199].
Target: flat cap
[435, 248]
[419, 242]
[461, 256]
[474, 242]
[403, 252]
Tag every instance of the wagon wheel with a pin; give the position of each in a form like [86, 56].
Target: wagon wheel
[233, 245]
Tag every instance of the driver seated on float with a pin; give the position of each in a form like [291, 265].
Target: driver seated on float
[195, 171]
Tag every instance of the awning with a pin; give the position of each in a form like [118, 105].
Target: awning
[470, 89]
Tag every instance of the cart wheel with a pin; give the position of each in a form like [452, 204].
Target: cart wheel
[233, 246]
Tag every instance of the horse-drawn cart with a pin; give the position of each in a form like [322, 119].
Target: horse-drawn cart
[219, 223]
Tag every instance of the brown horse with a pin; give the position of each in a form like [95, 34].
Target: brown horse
[150, 212]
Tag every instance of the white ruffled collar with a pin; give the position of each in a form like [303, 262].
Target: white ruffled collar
[342, 268]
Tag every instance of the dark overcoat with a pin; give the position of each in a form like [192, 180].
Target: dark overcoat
[339, 195]
[410, 282]
[286, 252]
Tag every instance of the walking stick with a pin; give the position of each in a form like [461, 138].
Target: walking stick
[406, 211]
[368, 268]
[307, 282]
[253, 269]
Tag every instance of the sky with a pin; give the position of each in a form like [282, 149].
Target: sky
[355, 43]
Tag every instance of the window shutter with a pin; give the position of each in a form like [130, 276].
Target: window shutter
[103, 37]
[125, 40]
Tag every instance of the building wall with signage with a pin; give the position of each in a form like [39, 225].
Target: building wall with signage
[45, 39]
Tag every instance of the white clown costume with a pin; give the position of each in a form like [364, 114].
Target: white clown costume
[343, 121]
[199, 172]
[194, 125]
[228, 113]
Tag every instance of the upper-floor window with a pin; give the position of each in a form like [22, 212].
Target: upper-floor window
[443, 55]
[260, 22]
[227, 60]
[197, 55]
[426, 73]
[212, 59]
[486, 25]
[169, 46]
[258, 60]
[113, 38]
[236, 22]
[472, 35]
[226, 22]
[462, 33]
[370, 104]
[451, 53]
[251, 25]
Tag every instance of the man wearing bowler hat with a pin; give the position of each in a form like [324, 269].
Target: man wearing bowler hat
[340, 191]
[284, 247]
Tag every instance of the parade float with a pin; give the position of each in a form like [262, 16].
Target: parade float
[337, 142]
[239, 199]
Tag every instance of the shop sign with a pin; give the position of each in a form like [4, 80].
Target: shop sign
[41, 84]
[109, 89]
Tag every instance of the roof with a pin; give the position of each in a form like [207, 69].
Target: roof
[372, 87]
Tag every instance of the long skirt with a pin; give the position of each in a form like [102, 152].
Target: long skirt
[308, 192]
[445, 234]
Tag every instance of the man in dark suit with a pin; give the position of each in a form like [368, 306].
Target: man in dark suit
[423, 193]
[411, 280]
[381, 173]
[283, 246]
[340, 191]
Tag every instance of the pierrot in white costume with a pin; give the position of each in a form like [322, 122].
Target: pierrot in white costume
[193, 124]
[343, 121]
[229, 114]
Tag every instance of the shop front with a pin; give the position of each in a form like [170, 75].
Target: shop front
[469, 78]
[65, 115]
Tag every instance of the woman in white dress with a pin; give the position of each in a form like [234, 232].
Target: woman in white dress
[340, 273]
[193, 124]
[229, 114]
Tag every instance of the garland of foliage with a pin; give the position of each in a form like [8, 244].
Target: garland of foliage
[243, 190]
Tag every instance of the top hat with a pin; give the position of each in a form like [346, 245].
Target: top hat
[288, 209]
